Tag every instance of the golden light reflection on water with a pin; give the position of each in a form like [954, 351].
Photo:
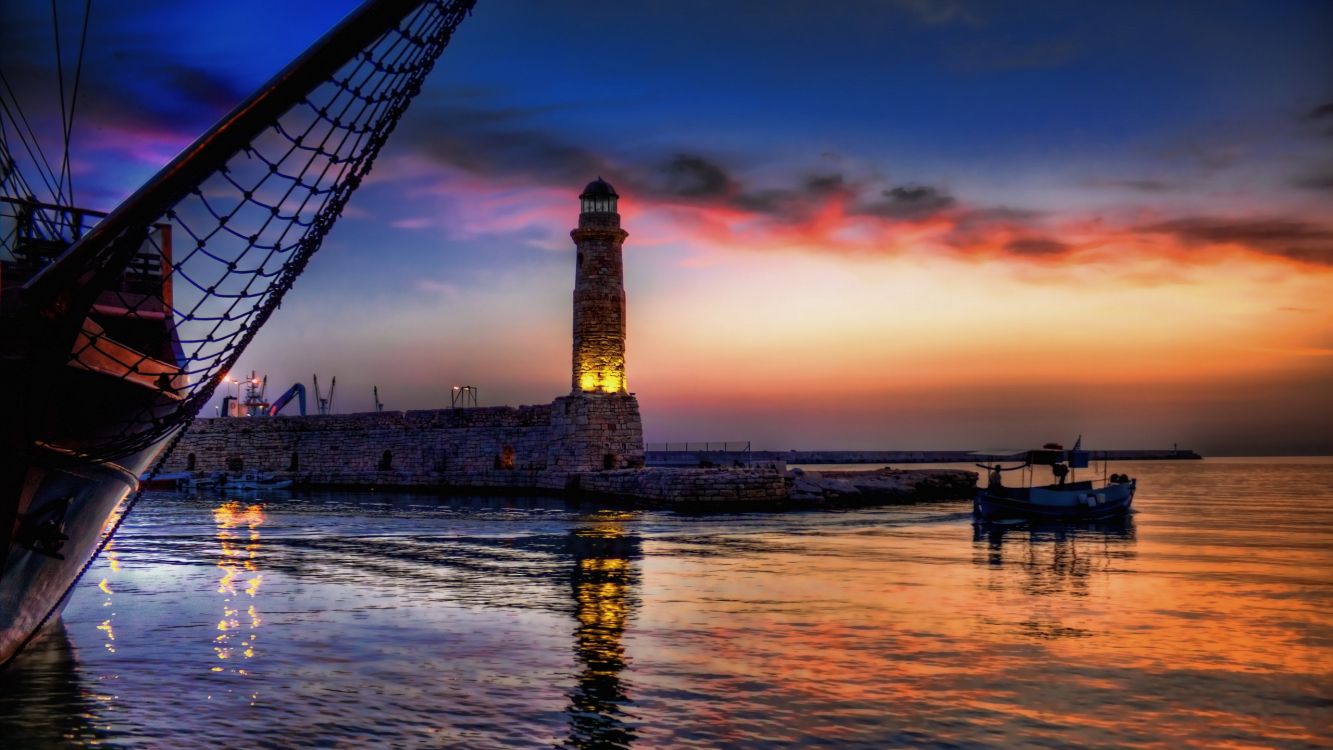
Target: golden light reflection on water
[238, 538]
[106, 627]
[1030, 631]
[602, 580]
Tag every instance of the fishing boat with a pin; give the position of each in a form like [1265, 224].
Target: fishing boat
[113, 337]
[1066, 498]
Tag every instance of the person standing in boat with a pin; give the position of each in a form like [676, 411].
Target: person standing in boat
[1060, 471]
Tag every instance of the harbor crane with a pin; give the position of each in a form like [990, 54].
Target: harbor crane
[297, 391]
[325, 404]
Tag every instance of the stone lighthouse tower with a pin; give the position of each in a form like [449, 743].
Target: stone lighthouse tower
[599, 293]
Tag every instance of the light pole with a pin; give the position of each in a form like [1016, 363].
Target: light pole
[463, 396]
[236, 383]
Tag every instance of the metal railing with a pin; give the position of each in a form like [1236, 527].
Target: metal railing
[705, 447]
[33, 234]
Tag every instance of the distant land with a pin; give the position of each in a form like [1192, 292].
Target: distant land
[692, 454]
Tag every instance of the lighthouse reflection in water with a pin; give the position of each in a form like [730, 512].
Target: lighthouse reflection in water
[603, 579]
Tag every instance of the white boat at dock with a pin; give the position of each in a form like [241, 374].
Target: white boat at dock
[253, 480]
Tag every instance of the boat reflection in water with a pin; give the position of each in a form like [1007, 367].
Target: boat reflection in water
[238, 536]
[604, 580]
[43, 702]
[1055, 558]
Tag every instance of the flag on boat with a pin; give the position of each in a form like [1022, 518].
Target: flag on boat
[1078, 458]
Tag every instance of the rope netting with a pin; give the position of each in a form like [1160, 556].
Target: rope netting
[214, 265]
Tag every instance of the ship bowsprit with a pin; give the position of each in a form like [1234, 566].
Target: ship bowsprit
[113, 337]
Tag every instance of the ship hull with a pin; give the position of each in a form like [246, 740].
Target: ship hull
[64, 510]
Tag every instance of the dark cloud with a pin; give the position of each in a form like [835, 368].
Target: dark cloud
[1204, 153]
[825, 184]
[1322, 111]
[794, 204]
[1038, 246]
[976, 228]
[1294, 240]
[472, 107]
[999, 215]
[939, 12]
[197, 90]
[908, 202]
[766, 201]
[1322, 115]
[693, 176]
[531, 153]
[1321, 180]
[1143, 186]
[505, 142]
[498, 141]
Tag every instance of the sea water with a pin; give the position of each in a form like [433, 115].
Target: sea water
[386, 620]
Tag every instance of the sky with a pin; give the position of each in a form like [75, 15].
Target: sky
[894, 224]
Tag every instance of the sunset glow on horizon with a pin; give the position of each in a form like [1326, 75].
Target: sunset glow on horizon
[867, 226]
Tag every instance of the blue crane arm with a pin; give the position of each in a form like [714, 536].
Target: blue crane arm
[297, 390]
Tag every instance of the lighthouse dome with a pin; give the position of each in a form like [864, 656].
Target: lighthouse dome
[598, 188]
[599, 198]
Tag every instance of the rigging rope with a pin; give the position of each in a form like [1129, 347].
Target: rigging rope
[74, 100]
[34, 148]
[60, 82]
[9, 171]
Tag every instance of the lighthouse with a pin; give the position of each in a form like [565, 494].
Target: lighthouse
[599, 293]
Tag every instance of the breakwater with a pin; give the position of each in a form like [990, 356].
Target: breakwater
[707, 457]
[541, 446]
[588, 444]
[856, 488]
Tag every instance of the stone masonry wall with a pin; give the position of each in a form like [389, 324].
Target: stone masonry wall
[595, 432]
[527, 446]
[691, 486]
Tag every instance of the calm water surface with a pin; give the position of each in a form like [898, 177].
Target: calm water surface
[333, 620]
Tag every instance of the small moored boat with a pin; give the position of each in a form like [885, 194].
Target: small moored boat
[176, 480]
[253, 480]
[1060, 500]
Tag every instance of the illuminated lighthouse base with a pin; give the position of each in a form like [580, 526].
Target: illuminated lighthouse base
[603, 377]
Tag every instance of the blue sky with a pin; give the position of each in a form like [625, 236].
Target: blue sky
[801, 177]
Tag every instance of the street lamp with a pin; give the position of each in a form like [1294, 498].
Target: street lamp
[463, 396]
[236, 383]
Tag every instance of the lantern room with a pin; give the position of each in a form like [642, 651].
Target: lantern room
[599, 198]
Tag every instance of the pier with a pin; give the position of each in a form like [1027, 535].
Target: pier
[732, 454]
